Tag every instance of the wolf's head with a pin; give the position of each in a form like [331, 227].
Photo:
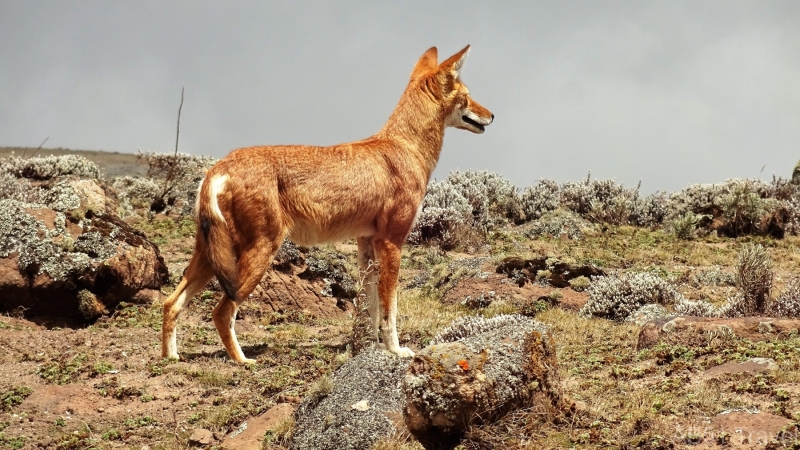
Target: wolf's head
[442, 84]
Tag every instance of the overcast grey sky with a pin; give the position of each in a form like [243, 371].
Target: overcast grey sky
[669, 93]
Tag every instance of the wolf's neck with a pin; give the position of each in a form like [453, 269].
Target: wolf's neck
[417, 124]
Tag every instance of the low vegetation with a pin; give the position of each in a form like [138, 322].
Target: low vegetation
[728, 249]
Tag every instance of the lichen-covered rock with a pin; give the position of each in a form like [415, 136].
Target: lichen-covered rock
[70, 255]
[479, 369]
[364, 405]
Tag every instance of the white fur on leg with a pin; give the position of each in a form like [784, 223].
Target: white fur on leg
[172, 338]
[389, 327]
[371, 287]
[237, 347]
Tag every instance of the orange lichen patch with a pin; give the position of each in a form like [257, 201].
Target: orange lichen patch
[463, 364]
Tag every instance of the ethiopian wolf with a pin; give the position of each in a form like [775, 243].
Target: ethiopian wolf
[369, 190]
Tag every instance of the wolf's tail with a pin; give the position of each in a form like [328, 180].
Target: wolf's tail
[215, 233]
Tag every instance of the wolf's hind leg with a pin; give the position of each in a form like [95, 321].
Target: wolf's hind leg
[252, 265]
[197, 275]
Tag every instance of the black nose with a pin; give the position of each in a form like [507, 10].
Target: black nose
[492, 117]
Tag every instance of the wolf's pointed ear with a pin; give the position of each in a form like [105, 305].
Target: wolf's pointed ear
[427, 63]
[454, 63]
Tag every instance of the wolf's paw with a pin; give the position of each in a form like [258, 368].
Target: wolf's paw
[403, 352]
[247, 361]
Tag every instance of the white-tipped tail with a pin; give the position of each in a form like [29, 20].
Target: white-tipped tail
[215, 188]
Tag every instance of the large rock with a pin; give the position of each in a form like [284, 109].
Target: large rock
[364, 405]
[479, 369]
[70, 255]
[313, 281]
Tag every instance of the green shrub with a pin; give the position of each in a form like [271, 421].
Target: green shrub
[685, 226]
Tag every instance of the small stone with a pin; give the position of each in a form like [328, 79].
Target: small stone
[291, 399]
[201, 437]
[669, 327]
[363, 405]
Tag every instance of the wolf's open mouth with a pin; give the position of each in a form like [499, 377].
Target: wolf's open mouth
[472, 122]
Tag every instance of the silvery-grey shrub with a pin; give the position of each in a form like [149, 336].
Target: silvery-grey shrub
[601, 200]
[754, 278]
[540, 199]
[685, 226]
[619, 294]
[744, 205]
[443, 211]
[491, 196]
[135, 192]
[788, 303]
[650, 211]
[47, 167]
[557, 223]
[179, 176]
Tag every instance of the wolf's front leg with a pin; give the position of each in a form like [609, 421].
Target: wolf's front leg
[369, 269]
[389, 256]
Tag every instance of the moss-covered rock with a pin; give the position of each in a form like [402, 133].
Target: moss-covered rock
[480, 369]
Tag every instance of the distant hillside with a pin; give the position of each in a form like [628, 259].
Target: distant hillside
[112, 164]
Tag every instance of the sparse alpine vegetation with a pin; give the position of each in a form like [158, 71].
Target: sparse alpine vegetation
[482, 248]
[466, 206]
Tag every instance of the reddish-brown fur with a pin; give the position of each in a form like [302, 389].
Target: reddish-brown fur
[370, 190]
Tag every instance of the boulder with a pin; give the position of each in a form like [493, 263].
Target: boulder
[688, 330]
[479, 369]
[314, 281]
[70, 255]
[364, 405]
[476, 369]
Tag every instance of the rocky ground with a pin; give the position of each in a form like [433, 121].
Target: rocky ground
[733, 383]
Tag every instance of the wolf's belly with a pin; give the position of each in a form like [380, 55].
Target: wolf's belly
[308, 234]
